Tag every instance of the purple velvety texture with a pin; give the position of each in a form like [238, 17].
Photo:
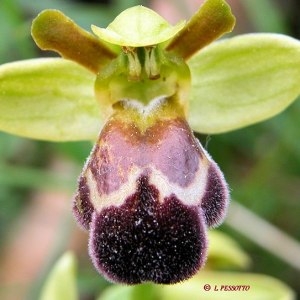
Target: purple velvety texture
[143, 240]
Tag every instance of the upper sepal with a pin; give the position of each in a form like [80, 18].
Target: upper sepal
[138, 26]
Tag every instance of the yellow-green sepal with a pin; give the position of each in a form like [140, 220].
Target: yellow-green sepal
[243, 80]
[48, 99]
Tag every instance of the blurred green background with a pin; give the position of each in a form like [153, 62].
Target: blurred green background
[261, 162]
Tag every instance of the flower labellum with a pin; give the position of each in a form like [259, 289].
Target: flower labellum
[147, 194]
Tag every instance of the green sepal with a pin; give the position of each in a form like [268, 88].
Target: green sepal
[52, 30]
[242, 81]
[48, 99]
[137, 26]
[212, 20]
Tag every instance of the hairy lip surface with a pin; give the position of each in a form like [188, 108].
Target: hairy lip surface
[147, 197]
[144, 240]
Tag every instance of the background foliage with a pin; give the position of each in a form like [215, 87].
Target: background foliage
[261, 162]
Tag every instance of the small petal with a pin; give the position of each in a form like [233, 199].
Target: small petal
[213, 19]
[52, 30]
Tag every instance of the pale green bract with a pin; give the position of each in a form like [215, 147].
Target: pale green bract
[243, 80]
[61, 281]
[138, 27]
[224, 252]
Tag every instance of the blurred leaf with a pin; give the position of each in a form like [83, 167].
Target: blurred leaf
[61, 283]
[12, 203]
[48, 99]
[8, 145]
[76, 151]
[18, 176]
[117, 292]
[85, 14]
[243, 80]
[223, 251]
[287, 128]
[145, 291]
[273, 21]
[15, 33]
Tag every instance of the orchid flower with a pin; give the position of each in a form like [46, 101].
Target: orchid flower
[149, 190]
